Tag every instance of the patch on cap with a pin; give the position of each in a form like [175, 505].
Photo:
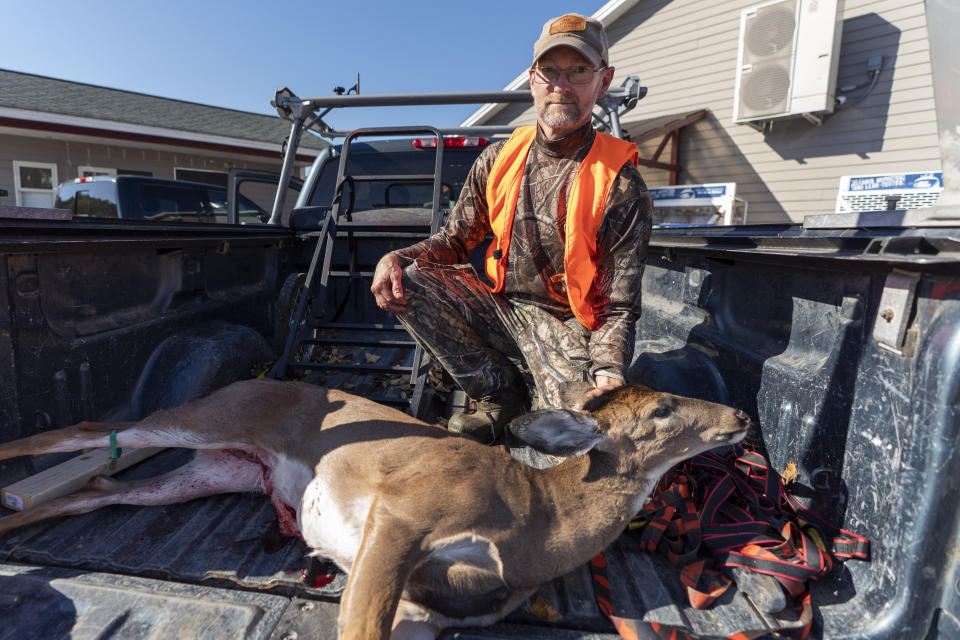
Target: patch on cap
[569, 22]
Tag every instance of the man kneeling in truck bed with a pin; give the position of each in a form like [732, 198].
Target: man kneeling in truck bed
[567, 256]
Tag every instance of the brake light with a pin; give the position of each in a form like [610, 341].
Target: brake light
[87, 179]
[451, 142]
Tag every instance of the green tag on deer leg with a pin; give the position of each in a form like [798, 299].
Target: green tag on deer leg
[115, 451]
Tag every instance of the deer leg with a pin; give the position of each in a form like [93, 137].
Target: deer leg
[84, 435]
[387, 557]
[209, 473]
[158, 430]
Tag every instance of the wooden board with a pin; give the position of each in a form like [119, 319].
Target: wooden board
[69, 476]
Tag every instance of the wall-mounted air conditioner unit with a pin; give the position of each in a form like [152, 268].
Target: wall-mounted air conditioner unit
[787, 60]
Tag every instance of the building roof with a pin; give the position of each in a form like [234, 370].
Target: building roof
[78, 103]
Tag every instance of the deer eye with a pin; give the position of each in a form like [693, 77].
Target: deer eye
[661, 412]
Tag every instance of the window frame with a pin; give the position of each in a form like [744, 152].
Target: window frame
[18, 190]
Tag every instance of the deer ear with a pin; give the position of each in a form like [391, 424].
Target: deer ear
[557, 432]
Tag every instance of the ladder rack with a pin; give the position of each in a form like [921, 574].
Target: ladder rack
[309, 328]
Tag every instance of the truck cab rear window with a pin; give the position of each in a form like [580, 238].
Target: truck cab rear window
[88, 199]
[392, 193]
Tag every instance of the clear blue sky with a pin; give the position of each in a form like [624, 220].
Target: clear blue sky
[235, 54]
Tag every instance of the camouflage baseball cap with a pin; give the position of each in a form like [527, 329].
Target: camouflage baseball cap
[586, 35]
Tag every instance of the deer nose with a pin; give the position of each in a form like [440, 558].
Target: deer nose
[742, 416]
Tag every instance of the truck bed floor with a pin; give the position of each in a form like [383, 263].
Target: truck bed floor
[217, 554]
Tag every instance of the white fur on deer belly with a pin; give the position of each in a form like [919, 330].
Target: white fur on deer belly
[333, 527]
[286, 479]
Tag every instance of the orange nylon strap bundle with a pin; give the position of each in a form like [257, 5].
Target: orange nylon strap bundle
[631, 628]
[672, 526]
[732, 511]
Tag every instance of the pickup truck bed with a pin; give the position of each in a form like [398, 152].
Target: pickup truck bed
[787, 323]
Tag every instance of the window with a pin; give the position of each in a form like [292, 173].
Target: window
[378, 194]
[256, 199]
[247, 210]
[35, 183]
[173, 204]
[88, 199]
[415, 194]
[88, 172]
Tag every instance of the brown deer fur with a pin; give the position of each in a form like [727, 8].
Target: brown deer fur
[434, 529]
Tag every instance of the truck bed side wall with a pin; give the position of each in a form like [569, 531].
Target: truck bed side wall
[108, 326]
[789, 339]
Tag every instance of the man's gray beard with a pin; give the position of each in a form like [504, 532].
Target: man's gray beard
[558, 118]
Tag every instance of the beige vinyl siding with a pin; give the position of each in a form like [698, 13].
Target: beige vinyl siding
[685, 53]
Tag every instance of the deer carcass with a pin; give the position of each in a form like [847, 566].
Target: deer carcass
[434, 529]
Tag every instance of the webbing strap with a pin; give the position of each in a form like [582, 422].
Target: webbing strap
[736, 509]
[631, 628]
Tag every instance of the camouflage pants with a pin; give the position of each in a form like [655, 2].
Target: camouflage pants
[491, 345]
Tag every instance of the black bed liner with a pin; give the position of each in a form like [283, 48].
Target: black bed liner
[219, 552]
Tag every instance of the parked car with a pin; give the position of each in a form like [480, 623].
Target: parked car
[144, 198]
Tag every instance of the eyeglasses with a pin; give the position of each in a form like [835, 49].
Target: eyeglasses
[575, 75]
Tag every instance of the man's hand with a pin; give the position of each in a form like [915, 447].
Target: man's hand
[387, 288]
[604, 384]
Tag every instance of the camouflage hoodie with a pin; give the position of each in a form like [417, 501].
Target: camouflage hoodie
[536, 243]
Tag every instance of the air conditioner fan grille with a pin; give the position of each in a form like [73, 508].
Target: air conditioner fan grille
[765, 89]
[771, 32]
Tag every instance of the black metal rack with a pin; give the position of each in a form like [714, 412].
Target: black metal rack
[307, 324]
[308, 113]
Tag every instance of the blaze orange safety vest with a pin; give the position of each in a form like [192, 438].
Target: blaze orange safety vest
[585, 205]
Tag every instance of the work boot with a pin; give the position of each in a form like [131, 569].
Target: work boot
[487, 422]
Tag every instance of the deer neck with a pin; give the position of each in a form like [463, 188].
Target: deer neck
[590, 500]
